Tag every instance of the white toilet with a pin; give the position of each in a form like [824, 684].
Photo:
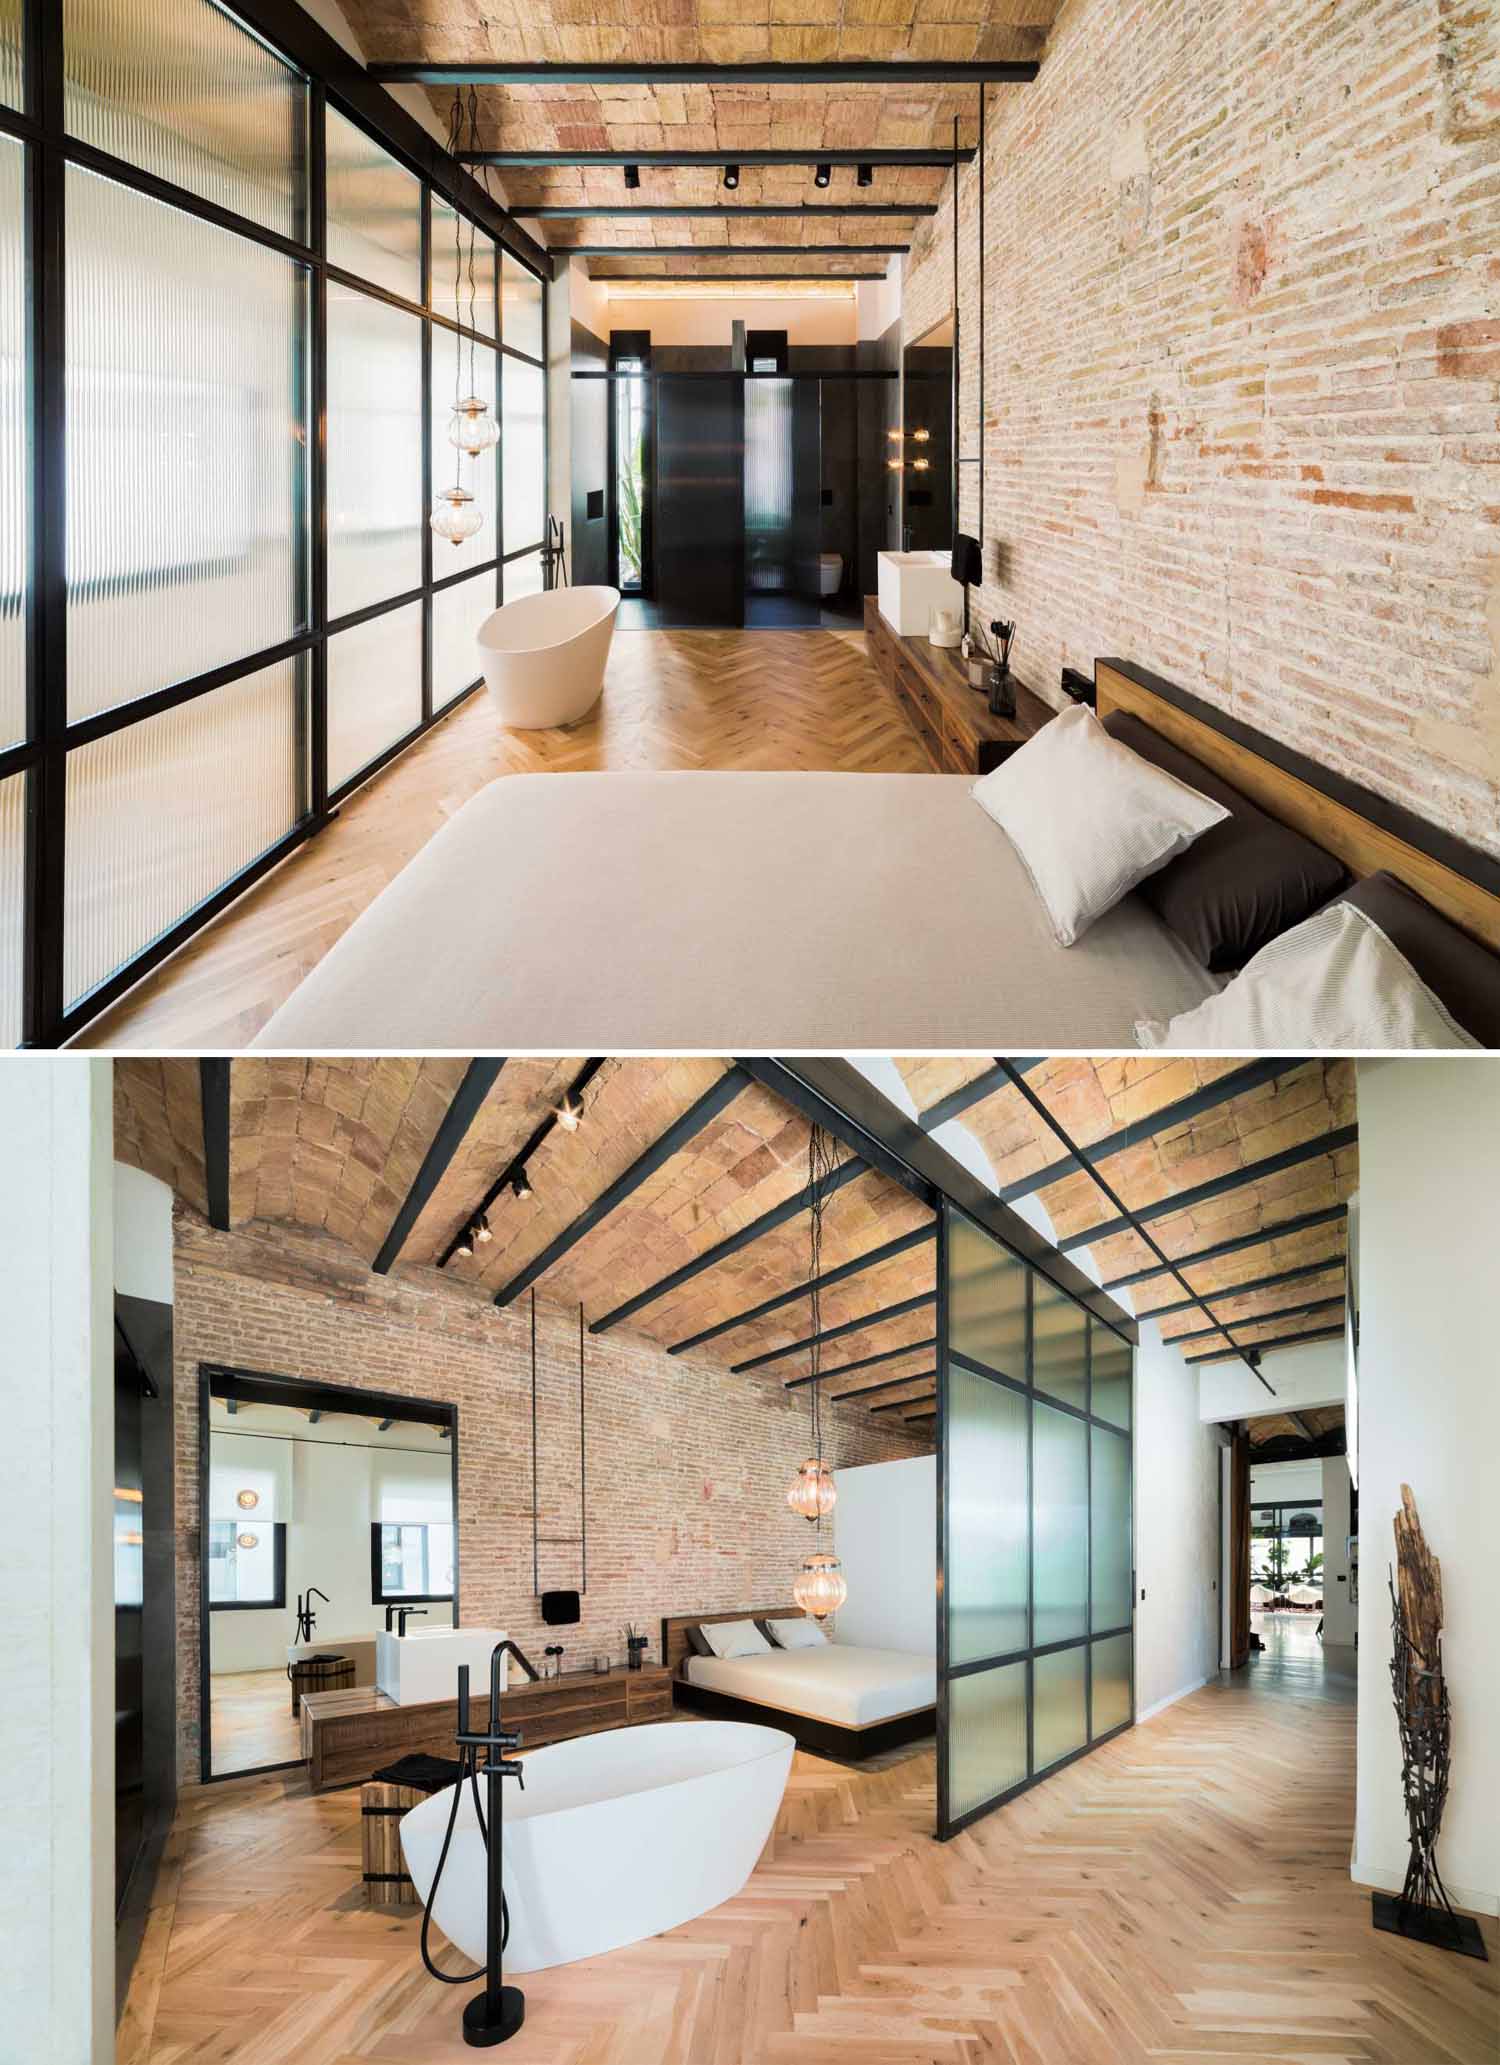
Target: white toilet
[830, 572]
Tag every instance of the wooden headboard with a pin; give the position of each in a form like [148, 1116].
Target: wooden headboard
[675, 1645]
[1367, 832]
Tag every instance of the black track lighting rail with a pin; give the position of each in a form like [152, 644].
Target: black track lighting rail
[478, 1080]
[515, 1168]
[692, 1122]
[787, 210]
[888, 72]
[940, 160]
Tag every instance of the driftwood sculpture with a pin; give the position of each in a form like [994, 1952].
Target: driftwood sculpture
[1423, 1908]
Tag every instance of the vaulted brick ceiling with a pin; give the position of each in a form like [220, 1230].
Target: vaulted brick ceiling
[712, 117]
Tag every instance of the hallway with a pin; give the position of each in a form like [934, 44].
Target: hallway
[1182, 1894]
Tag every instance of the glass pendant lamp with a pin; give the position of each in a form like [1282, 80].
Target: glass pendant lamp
[820, 1588]
[812, 1491]
[455, 515]
[471, 427]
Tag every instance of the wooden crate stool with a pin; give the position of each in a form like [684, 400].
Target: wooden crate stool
[319, 1674]
[381, 1807]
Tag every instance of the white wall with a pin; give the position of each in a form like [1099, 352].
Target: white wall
[57, 1750]
[885, 1535]
[1176, 1529]
[1429, 1155]
[143, 1235]
[1338, 1594]
[1311, 1374]
[1281, 1483]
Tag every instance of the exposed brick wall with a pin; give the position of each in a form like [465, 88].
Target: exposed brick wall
[1243, 366]
[687, 1465]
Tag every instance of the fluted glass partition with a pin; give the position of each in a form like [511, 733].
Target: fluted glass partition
[1036, 1570]
[235, 388]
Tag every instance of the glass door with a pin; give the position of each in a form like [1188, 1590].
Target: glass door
[630, 390]
[1035, 1546]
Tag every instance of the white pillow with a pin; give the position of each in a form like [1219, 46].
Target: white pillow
[728, 1638]
[1332, 982]
[1089, 818]
[796, 1634]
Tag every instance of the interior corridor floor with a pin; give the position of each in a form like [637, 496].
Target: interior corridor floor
[672, 699]
[1181, 1895]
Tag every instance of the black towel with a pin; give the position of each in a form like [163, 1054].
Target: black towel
[423, 1774]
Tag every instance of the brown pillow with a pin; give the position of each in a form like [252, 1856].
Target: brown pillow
[1241, 883]
[698, 1641]
[1461, 973]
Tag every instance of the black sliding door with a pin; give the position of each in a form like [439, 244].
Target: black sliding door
[699, 500]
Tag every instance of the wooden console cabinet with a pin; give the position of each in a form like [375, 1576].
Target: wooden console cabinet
[951, 719]
[348, 1735]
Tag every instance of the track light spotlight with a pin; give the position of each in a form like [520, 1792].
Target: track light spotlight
[822, 176]
[864, 175]
[482, 1230]
[464, 1245]
[731, 177]
[569, 1113]
[520, 1185]
[632, 177]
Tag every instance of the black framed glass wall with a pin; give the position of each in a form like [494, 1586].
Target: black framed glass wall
[231, 340]
[1035, 1563]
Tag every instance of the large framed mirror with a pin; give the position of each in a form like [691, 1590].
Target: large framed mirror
[326, 1512]
[927, 523]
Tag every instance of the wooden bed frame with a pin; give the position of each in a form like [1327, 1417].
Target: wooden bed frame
[821, 1738]
[1364, 830]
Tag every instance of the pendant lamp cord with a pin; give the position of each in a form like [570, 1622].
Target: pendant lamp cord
[821, 1161]
[455, 137]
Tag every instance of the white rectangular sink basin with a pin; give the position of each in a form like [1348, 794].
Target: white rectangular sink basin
[423, 1665]
[910, 585]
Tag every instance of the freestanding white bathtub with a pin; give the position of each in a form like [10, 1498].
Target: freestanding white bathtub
[615, 1837]
[543, 655]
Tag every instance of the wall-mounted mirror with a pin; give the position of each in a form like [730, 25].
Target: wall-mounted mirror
[927, 440]
[326, 1515]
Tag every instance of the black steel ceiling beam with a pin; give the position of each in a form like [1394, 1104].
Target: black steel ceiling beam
[732, 1244]
[540, 1133]
[1236, 1083]
[1131, 1219]
[478, 1080]
[921, 1376]
[974, 1092]
[698, 1115]
[837, 1333]
[1328, 1143]
[1325, 1333]
[1243, 1290]
[940, 160]
[729, 250]
[656, 209]
[895, 1405]
[900, 1246]
[868, 71]
[213, 1084]
[763, 279]
[1247, 1319]
[1282, 1229]
[1304, 1427]
[847, 1369]
[848, 1103]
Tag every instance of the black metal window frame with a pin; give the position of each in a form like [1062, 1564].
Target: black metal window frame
[47, 1016]
[278, 1551]
[379, 1596]
[947, 1356]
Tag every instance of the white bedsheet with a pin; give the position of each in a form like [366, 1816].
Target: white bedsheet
[733, 912]
[846, 1685]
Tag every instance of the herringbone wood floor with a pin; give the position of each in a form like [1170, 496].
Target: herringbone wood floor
[1181, 1895]
[720, 699]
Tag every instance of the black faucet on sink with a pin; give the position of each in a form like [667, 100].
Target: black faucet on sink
[406, 1613]
[306, 1618]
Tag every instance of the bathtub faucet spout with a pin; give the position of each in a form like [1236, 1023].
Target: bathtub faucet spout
[508, 1648]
